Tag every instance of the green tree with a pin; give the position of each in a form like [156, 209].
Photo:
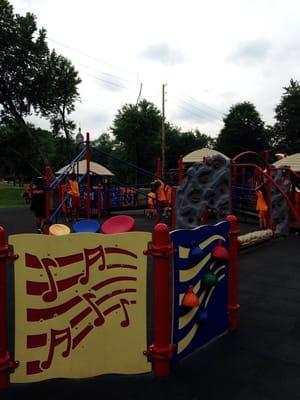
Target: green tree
[57, 100]
[19, 160]
[286, 130]
[243, 131]
[29, 77]
[138, 128]
[182, 143]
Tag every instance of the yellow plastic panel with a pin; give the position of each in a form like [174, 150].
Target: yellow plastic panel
[80, 305]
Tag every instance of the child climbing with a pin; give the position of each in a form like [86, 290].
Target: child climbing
[261, 207]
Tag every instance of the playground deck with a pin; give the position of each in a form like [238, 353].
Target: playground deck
[259, 362]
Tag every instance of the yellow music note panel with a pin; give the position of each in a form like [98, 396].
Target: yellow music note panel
[80, 305]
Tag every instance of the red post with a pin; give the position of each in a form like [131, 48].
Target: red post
[173, 208]
[99, 201]
[161, 351]
[4, 355]
[268, 189]
[233, 305]
[48, 174]
[88, 177]
[158, 171]
[180, 170]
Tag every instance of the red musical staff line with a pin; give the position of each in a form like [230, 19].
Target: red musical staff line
[102, 284]
[36, 340]
[116, 250]
[38, 288]
[69, 260]
[37, 314]
[57, 337]
[114, 293]
[81, 335]
[109, 266]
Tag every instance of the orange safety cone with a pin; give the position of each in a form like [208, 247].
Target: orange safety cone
[219, 252]
[190, 299]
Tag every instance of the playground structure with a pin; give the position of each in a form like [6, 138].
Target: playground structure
[102, 295]
[80, 292]
[220, 186]
[216, 186]
[100, 192]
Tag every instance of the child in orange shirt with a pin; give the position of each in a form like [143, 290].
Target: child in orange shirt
[151, 205]
[75, 200]
[261, 207]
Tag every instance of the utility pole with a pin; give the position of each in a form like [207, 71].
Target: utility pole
[163, 135]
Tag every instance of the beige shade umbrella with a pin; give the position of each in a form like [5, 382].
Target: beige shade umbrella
[95, 168]
[292, 161]
[199, 155]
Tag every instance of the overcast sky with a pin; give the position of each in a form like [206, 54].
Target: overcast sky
[210, 54]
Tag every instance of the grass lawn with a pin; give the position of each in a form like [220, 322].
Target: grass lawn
[11, 196]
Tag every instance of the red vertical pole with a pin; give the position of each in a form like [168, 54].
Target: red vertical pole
[99, 202]
[88, 177]
[268, 189]
[233, 201]
[180, 169]
[233, 305]
[48, 197]
[4, 355]
[173, 208]
[158, 172]
[161, 351]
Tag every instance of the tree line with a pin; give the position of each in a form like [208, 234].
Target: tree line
[35, 80]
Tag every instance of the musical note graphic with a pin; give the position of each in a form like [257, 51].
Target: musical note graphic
[51, 294]
[125, 303]
[91, 256]
[100, 319]
[56, 338]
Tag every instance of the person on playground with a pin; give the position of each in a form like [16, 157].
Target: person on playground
[151, 198]
[158, 186]
[75, 200]
[38, 202]
[261, 207]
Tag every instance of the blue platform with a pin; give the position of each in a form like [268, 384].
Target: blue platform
[86, 225]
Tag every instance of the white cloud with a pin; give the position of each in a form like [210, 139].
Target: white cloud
[163, 53]
[210, 54]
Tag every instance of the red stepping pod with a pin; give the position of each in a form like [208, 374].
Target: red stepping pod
[118, 224]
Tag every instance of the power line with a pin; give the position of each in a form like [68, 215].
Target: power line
[106, 81]
[91, 57]
[199, 114]
[215, 111]
[106, 73]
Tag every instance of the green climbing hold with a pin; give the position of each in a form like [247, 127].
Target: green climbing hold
[209, 279]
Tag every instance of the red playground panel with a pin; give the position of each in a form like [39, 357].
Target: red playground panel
[118, 224]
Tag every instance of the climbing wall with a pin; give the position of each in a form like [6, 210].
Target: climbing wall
[279, 206]
[200, 286]
[205, 186]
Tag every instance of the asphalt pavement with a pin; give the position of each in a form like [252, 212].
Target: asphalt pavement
[261, 361]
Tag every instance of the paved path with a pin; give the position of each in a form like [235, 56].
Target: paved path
[259, 362]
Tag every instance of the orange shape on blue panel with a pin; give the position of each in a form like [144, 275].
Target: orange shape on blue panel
[220, 252]
[190, 299]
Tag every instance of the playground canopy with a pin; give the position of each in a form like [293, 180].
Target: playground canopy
[199, 155]
[95, 168]
[292, 161]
